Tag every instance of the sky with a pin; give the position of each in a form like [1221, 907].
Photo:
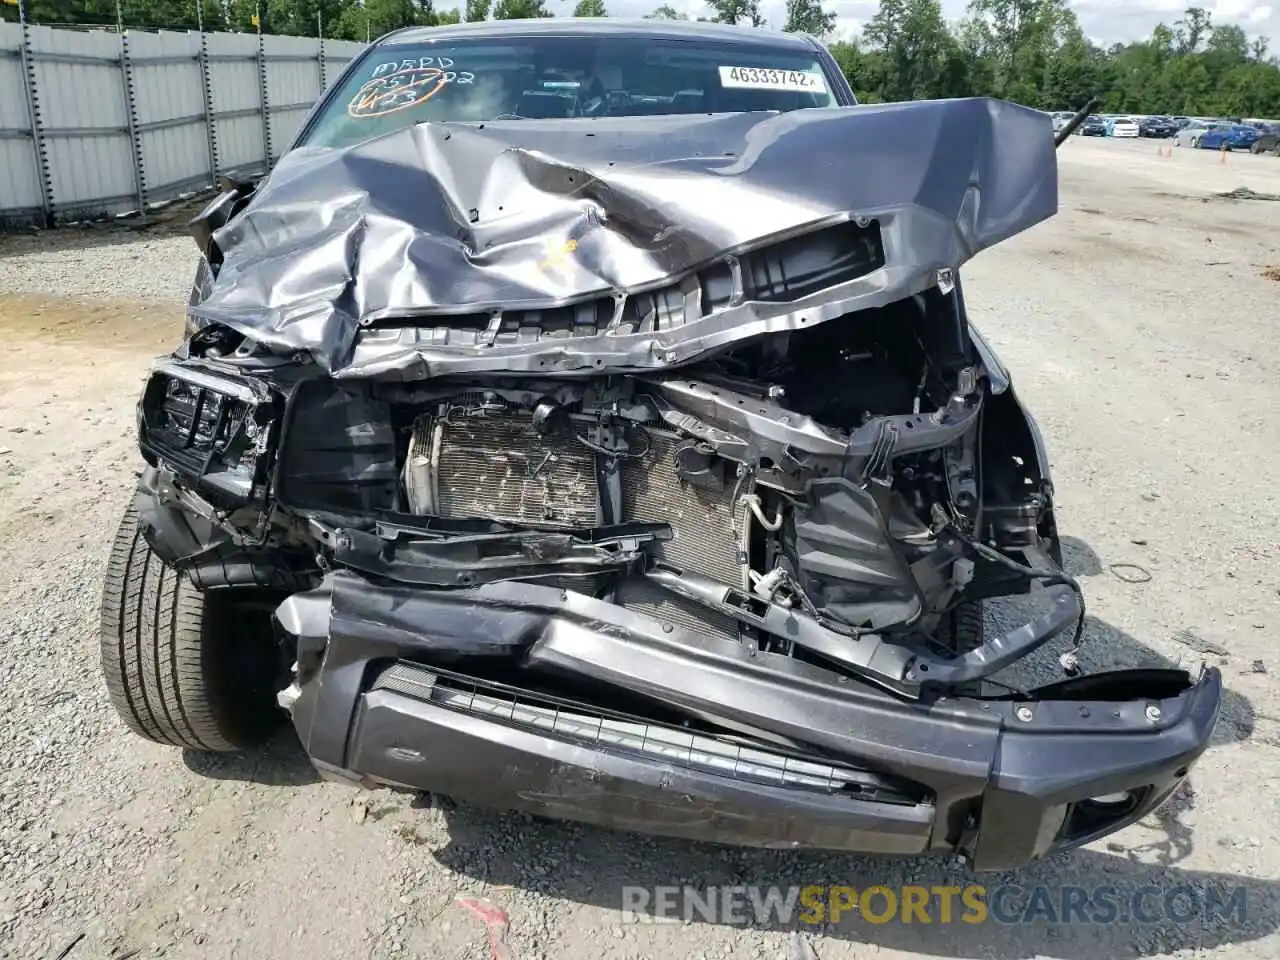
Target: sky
[1104, 21]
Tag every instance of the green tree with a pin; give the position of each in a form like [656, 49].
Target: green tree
[1228, 46]
[1195, 26]
[737, 11]
[666, 12]
[478, 10]
[590, 8]
[520, 10]
[374, 18]
[854, 64]
[1019, 38]
[305, 18]
[807, 16]
[1075, 70]
[152, 14]
[914, 49]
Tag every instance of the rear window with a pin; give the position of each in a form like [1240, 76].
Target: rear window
[473, 80]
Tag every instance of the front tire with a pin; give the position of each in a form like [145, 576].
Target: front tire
[182, 667]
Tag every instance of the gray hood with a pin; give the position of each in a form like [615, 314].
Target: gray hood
[576, 246]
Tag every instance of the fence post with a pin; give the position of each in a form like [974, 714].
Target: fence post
[266, 101]
[210, 120]
[320, 57]
[131, 115]
[43, 172]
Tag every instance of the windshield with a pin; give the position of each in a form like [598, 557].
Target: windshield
[585, 76]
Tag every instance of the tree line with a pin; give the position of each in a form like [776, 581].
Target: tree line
[1029, 51]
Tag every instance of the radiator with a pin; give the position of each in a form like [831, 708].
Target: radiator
[703, 540]
[499, 467]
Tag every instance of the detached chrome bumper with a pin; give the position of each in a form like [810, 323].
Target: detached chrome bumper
[822, 762]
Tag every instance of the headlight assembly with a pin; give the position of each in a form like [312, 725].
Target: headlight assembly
[215, 432]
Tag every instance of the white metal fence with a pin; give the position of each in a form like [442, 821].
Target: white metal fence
[96, 124]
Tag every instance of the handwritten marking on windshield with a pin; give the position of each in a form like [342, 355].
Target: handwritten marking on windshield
[401, 90]
[413, 63]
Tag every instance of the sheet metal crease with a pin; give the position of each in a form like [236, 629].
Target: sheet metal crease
[445, 227]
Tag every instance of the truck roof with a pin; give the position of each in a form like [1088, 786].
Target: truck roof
[597, 26]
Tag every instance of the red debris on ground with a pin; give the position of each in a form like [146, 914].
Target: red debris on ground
[496, 924]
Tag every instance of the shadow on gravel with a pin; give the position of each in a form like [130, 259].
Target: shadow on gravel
[281, 762]
[1078, 558]
[592, 866]
[169, 222]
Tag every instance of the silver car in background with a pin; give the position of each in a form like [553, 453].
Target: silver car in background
[1189, 136]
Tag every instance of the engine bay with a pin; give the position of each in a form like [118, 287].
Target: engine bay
[836, 476]
[807, 469]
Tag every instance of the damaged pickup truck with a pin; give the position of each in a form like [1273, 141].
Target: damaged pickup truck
[584, 418]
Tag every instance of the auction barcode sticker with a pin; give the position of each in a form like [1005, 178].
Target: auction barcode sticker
[769, 78]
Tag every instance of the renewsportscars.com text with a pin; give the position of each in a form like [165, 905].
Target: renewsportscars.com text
[970, 904]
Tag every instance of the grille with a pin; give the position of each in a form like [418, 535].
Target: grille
[621, 733]
[501, 468]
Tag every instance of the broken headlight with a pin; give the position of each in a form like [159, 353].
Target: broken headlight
[214, 432]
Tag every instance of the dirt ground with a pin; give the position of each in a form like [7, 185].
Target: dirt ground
[1142, 326]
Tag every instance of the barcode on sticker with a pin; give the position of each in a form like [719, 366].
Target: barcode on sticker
[769, 78]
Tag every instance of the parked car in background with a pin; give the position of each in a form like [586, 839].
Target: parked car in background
[1092, 127]
[1160, 128]
[1122, 127]
[1229, 136]
[1268, 141]
[1180, 122]
[1060, 119]
[1189, 135]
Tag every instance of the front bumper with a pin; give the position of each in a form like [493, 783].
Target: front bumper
[386, 694]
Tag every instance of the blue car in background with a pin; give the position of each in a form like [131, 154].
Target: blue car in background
[1228, 136]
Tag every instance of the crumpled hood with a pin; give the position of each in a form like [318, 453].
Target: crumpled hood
[479, 220]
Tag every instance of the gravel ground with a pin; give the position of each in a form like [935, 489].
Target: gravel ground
[1142, 329]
